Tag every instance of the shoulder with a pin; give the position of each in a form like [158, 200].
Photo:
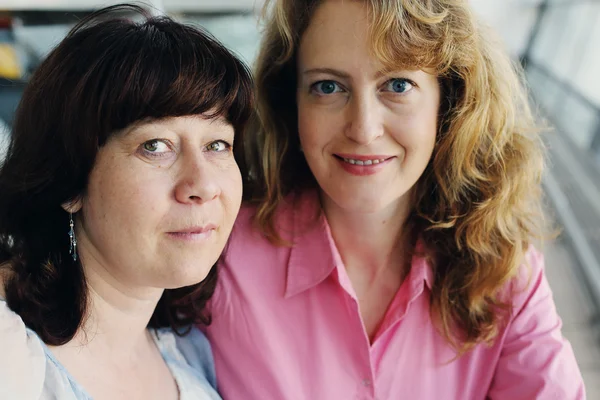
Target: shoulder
[245, 239]
[284, 216]
[248, 239]
[195, 348]
[298, 209]
[244, 222]
[536, 361]
[529, 279]
[23, 361]
[529, 295]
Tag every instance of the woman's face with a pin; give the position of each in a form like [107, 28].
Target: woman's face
[161, 202]
[367, 134]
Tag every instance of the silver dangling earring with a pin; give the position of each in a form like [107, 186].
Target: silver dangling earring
[72, 239]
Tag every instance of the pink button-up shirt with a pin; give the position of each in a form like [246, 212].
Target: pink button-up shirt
[286, 326]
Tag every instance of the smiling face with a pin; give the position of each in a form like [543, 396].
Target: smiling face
[161, 201]
[367, 133]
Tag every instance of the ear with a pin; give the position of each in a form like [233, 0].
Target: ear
[72, 206]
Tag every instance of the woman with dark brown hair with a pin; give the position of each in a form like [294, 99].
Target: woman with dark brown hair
[117, 196]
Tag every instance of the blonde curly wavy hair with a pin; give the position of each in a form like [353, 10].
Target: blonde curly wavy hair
[478, 203]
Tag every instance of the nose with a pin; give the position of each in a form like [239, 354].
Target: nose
[365, 121]
[196, 181]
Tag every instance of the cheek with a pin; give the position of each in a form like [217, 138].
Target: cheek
[145, 190]
[234, 188]
[128, 195]
[230, 181]
[311, 126]
[417, 131]
[430, 131]
[304, 125]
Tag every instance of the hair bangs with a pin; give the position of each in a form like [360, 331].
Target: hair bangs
[173, 70]
[417, 35]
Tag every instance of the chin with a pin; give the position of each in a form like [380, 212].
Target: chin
[187, 275]
[370, 203]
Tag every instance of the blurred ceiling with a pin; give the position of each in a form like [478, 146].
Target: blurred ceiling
[168, 5]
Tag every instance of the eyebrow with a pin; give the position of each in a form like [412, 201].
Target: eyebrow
[329, 71]
[340, 74]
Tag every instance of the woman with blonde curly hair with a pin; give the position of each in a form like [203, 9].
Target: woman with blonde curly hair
[393, 193]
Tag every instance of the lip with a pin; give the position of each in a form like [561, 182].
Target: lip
[364, 157]
[363, 170]
[193, 233]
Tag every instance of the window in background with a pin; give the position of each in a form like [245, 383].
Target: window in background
[239, 32]
[562, 71]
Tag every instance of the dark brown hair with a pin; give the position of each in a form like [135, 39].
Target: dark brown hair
[118, 66]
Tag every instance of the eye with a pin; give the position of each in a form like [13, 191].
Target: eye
[326, 87]
[219, 146]
[155, 146]
[398, 85]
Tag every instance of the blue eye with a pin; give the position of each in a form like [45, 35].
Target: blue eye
[326, 87]
[398, 85]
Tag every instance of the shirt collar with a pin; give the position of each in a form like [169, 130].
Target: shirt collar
[314, 256]
[311, 258]
[420, 268]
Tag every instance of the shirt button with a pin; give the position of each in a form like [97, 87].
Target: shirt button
[366, 382]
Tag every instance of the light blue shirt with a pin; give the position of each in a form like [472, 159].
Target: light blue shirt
[29, 370]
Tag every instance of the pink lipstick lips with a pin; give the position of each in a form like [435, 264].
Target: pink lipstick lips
[363, 165]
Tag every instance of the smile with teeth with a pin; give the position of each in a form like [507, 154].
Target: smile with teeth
[363, 162]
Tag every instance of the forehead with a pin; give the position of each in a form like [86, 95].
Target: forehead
[336, 28]
[342, 34]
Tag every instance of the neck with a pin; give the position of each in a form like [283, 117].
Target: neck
[117, 315]
[370, 243]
